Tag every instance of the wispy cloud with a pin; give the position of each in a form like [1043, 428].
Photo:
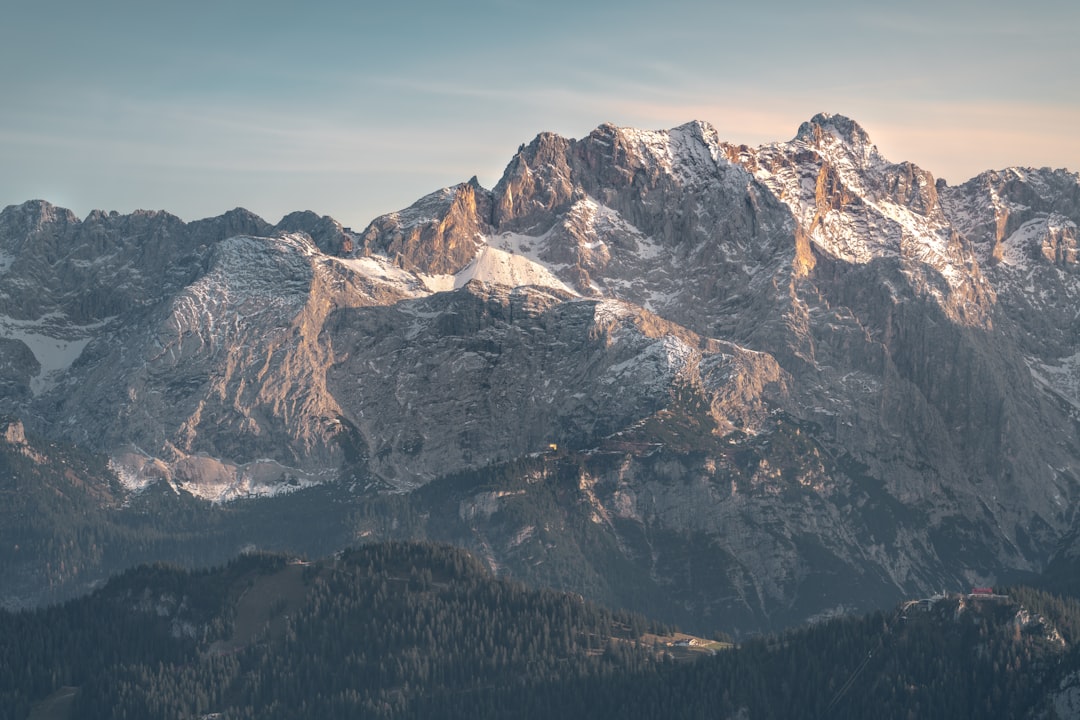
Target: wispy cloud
[359, 110]
[986, 20]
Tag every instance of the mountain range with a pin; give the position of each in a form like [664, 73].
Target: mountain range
[747, 385]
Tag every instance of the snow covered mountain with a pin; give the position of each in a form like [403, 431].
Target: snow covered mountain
[829, 368]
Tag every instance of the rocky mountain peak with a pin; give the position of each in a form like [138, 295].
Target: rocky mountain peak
[535, 185]
[683, 151]
[840, 140]
[327, 233]
[128, 225]
[238, 221]
[32, 216]
[840, 127]
[98, 215]
[438, 234]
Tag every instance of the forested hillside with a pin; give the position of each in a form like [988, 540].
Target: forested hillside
[421, 631]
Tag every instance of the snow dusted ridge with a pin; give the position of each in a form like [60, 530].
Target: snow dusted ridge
[251, 281]
[510, 260]
[689, 152]
[380, 270]
[856, 205]
[427, 209]
[498, 266]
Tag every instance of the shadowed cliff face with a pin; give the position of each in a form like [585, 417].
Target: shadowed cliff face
[818, 362]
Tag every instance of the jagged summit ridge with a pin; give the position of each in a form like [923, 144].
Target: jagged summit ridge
[842, 129]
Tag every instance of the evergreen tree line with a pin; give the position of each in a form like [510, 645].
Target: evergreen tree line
[418, 630]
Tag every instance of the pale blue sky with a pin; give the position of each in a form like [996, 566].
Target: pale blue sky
[352, 110]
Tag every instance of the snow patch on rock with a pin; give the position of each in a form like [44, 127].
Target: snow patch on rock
[208, 478]
[385, 272]
[55, 344]
[499, 267]
[1063, 378]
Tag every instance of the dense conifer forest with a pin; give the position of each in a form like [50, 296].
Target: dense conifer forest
[418, 630]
